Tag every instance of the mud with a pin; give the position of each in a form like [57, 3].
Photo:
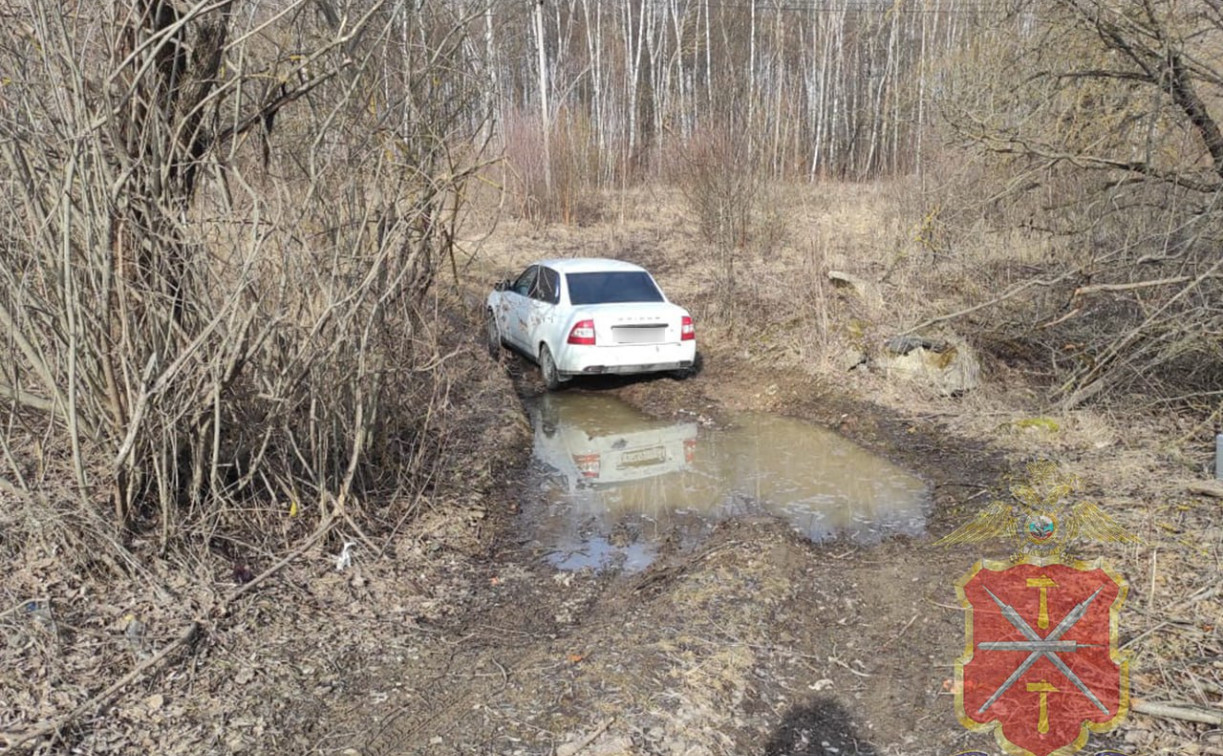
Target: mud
[752, 638]
[614, 486]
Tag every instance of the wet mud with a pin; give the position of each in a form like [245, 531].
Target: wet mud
[699, 567]
[613, 487]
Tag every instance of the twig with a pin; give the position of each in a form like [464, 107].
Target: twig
[1094, 288]
[1061, 319]
[14, 739]
[837, 661]
[1169, 711]
[1145, 633]
[904, 629]
[1204, 594]
[1008, 294]
[580, 746]
[1154, 573]
[1206, 488]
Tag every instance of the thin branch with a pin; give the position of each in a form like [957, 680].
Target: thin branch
[100, 699]
[1177, 711]
[1008, 294]
[1096, 288]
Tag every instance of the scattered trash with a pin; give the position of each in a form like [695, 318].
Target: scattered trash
[344, 560]
[39, 610]
[243, 573]
[134, 632]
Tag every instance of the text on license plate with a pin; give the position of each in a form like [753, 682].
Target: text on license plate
[649, 456]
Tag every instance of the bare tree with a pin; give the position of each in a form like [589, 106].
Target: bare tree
[220, 220]
[837, 88]
[1108, 111]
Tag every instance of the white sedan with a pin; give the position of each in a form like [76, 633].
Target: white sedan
[590, 316]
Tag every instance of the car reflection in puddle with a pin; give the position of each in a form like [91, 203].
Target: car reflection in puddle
[616, 486]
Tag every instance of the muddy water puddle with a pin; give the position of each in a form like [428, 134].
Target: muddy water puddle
[613, 487]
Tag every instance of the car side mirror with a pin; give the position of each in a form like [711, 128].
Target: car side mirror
[502, 285]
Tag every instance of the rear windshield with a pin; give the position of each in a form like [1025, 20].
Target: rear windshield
[612, 287]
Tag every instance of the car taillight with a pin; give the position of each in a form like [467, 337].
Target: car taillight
[687, 331]
[587, 464]
[583, 332]
[689, 450]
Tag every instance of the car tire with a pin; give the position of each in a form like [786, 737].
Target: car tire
[492, 335]
[684, 374]
[547, 368]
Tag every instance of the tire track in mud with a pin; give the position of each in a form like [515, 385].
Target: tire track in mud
[759, 637]
[489, 654]
[490, 649]
[492, 670]
[683, 649]
[750, 641]
[413, 729]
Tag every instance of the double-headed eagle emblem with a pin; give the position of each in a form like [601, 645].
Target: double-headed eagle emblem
[1041, 517]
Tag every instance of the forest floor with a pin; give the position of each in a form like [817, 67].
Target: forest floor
[453, 636]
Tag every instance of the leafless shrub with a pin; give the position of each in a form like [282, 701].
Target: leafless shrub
[220, 226]
[1100, 118]
[562, 189]
[730, 199]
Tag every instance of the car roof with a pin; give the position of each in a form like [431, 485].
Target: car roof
[588, 265]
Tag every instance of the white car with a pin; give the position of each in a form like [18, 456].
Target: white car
[587, 317]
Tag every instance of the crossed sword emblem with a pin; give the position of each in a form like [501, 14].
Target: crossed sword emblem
[1048, 647]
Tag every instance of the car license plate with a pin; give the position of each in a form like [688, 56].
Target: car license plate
[650, 456]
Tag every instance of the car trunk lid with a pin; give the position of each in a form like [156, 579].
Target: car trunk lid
[635, 323]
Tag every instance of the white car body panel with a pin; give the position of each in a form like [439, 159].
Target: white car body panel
[630, 337]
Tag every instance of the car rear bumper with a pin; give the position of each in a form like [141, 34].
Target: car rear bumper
[625, 358]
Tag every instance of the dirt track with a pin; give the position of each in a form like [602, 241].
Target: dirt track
[755, 642]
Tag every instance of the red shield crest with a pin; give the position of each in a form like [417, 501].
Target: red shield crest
[1041, 666]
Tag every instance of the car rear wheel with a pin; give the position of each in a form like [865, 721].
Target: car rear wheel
[492, 335]
[684, 374]
[547, 368]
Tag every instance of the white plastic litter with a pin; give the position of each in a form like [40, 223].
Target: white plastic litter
[344, 560]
